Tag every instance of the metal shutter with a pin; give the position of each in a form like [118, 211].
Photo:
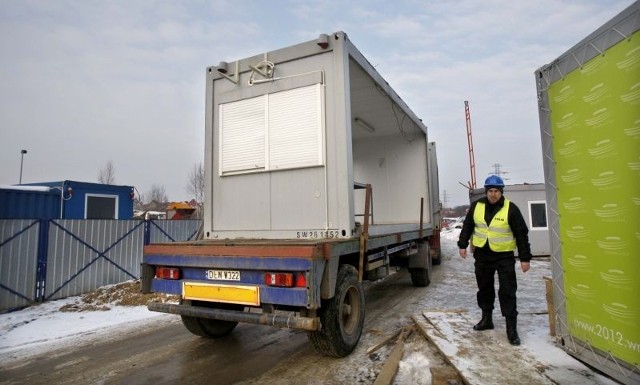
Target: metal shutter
[295, 122]
[242, 135]
[273, 131]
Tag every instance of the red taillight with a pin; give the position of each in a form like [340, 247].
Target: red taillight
[285, 279]
[167, 272]
[301, 280]
[279, 279]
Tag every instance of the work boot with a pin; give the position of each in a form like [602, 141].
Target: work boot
[486, 322]
[512, 331]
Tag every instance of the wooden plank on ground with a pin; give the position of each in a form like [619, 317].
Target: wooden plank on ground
[390, 367]
[444, 375]
[480, 357]
[384, 341]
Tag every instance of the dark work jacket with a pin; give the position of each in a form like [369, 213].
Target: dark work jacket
[516, 222]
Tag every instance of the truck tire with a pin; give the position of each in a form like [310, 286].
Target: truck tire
[342, 317]
[420, 277]
[421, 274]
[437, 259]
[209, 328]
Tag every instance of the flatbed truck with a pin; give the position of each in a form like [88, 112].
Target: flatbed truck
[318, 177]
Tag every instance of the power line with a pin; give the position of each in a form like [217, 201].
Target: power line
[445, 198]
[497, 170]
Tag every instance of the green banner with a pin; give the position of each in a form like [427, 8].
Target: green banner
[595, 122]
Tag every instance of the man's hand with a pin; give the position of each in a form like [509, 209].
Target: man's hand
[525, 266]
[463, 253]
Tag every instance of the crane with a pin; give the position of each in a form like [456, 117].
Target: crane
[472, 160]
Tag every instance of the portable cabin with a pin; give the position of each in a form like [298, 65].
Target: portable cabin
[588, 106]
[66, 200]
[294, 137]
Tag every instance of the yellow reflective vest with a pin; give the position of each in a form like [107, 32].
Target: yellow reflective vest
[498, 232]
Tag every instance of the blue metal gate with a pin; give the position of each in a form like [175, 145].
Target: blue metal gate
[18, 262]
[49, 259]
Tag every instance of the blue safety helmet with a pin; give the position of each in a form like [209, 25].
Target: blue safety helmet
[493, 181]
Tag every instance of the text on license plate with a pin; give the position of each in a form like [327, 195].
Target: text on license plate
[224, 275]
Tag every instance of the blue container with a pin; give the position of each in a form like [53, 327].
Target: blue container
[29, 203]
[66, 200]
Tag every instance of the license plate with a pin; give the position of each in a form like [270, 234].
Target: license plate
[223, 275]
[238, 294]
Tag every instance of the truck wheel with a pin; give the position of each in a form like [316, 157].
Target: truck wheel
[209, 328]
[421, 275]
[342, 317]
[437, 259]
[436, 245]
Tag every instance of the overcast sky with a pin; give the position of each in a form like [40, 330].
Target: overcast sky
[87, 82]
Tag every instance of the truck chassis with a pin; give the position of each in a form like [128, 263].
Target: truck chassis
[311, 285]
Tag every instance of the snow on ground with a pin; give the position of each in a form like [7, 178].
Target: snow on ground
[45, 327]
[533, 322]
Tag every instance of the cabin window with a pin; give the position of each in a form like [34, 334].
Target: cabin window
[270, 132]
[101, 206]
[538, 215]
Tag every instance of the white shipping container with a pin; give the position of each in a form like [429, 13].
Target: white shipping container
[292, 134]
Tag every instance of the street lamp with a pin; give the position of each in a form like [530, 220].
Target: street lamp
[22, 152]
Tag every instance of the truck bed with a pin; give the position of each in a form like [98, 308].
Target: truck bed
[379, 236]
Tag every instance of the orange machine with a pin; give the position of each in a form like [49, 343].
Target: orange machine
[180, 210]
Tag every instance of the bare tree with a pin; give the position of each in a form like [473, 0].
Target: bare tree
[107, 174]
[138, 203]
[156, 199]
[195, 184]
[195, 187]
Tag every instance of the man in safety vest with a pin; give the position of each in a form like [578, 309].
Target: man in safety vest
[496, 227]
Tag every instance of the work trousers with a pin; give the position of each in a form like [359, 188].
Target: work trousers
[485, 270]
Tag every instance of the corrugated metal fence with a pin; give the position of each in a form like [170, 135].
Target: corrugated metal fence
[42, 260]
